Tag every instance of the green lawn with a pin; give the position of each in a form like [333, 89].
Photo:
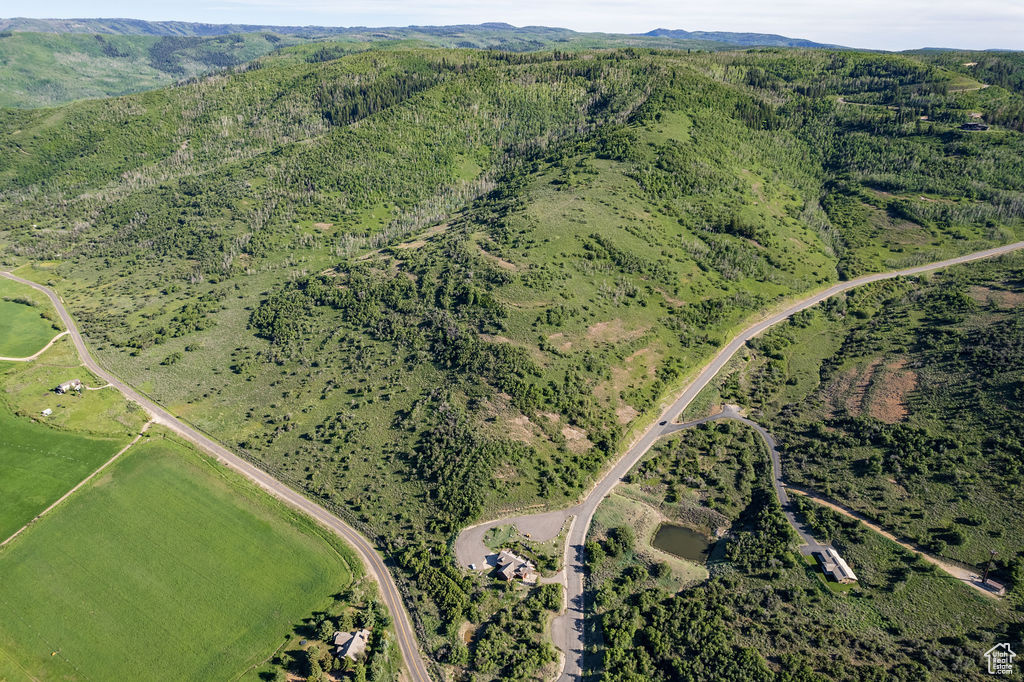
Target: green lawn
[24, 330]
[166, 567]
[40, 464]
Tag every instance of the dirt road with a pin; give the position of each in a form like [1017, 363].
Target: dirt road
[39, 352]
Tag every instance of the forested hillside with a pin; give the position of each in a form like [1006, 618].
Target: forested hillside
[428, 286]
[45, 62]
[44, 69]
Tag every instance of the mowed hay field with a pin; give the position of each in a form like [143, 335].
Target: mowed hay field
[40, 464]
[23, 330]
[167, 566]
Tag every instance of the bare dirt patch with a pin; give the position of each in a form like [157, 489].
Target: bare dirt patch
[576, 439]
[496, 260]
[520, 428]
[412, 245]
[506, 421]
[1001, 297]
[612, 330]
[832, 395]
[558, 339]
[858, 391]
[646, 355]
[889, 399]
[323, 227]
[669, 299]
[626, 414]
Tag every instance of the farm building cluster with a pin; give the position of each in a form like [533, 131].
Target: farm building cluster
[73, 385]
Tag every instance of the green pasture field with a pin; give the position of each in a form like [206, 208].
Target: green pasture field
[28, 389]
[23, 329]
[165, 567]
[40, 463]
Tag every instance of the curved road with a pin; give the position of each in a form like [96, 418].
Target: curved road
[570, 637]
[810, 545]
[389, 592]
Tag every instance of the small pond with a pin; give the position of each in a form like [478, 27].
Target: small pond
[682, 542]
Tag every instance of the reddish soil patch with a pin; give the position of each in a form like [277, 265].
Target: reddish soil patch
[889, 400]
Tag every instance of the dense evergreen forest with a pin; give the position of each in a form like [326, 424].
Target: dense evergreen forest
[430, 286]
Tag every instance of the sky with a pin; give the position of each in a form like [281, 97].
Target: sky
[874, 24]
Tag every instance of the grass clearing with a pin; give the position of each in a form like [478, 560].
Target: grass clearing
[25, 328]
[166, 567]
[40, 464]
[619, 510]
[28, 390]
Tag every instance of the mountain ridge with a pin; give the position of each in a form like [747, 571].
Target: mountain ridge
[127, 26]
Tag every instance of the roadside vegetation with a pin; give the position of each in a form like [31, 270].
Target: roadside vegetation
[164, 566]
[901, 401]
[428, 286]
[765, 613]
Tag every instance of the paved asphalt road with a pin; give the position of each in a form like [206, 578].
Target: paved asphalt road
[571, 624]
[389, 592]
[570, 636]
[732, 412]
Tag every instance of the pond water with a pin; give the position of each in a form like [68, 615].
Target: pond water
[682, 542]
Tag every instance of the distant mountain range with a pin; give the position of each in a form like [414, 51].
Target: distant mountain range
[526, 37]
[752, 39]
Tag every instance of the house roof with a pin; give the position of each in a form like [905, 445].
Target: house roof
[834, 565]
[351, 644]
[513, 566]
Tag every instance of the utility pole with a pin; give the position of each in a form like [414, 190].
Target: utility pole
[988, 565]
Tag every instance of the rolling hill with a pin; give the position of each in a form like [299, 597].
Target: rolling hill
[428, 285]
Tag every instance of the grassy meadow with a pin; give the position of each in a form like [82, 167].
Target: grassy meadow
[27, 324]
[40, 464]
[165, 567]
[428, 286]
